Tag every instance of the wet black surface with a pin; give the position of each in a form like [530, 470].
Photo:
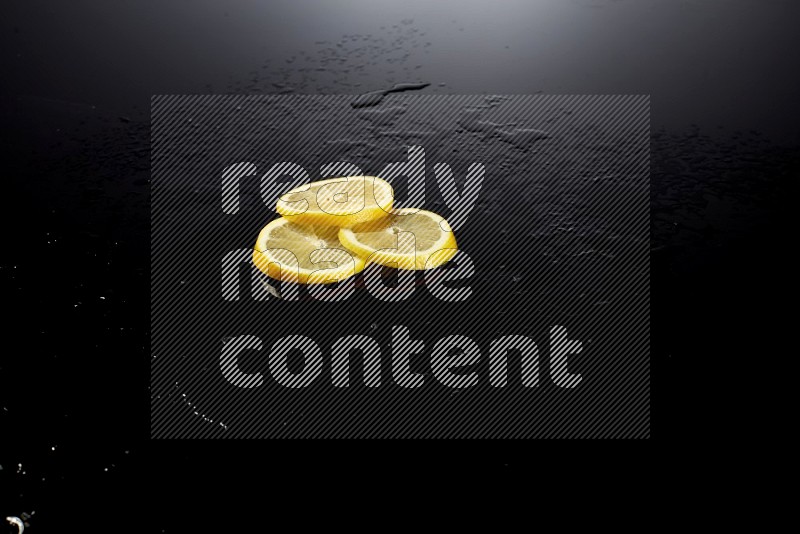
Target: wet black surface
[558, 236]
[76, 87]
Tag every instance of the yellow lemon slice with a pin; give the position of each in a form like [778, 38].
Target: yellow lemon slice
[405, 239]
[303, 253]
[341, 202]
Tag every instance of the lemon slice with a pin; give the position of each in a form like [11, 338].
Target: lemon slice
[405, 239]
[340, 202]
[307, 254]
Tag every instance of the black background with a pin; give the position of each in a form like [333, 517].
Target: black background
[75, 86]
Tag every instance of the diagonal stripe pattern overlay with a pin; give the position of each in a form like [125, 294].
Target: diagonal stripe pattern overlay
[546, 334]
